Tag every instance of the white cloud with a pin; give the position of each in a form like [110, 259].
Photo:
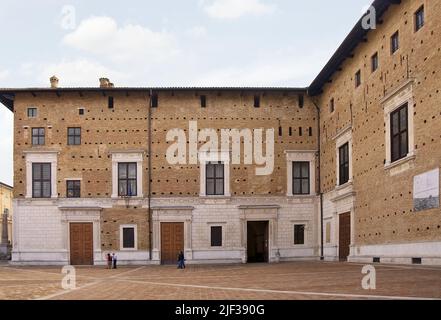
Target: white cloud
[71, 72]
[196, 32]
[103, 37]
[233, 9]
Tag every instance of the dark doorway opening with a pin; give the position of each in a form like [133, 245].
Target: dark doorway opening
[344, 236]
[257, 241]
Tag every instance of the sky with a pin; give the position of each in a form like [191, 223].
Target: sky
[166, 43]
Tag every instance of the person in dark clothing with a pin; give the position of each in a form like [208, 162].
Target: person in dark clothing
[181, 260]
[114, 260]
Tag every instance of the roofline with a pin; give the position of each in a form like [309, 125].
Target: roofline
[7, 95]
[344, 51]
[6, 185]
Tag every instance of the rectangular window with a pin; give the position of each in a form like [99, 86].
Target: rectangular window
[290, 131]
[299, 234]
[73, 188]
[81, 111]
[214, 178]
[301, 100]
[399, 133]
[41, 180]
[154, 100]
[394, 42]
[343, 164]
[127, 179]
[128, 235]
[374, 62]
[256, 101]
[203, 101]
[419, 19]
[300, 178]
[300, 131]
[358, 78]
[32, 112]
[331, 106]
[216, 236]
[37, 136]
[280, 131]
[73, 136]
[310, 131]
[110, 102]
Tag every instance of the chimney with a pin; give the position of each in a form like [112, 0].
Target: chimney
[104, 82]
[54, 82]
[111, 85]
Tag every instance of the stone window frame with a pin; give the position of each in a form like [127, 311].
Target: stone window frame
[125, 157]
[217, 224]
[35, 112]
[301, 156]
[293, 223]
[342, 138]
[41, 157]
[392, 102]
[204, 158]
[135, 235]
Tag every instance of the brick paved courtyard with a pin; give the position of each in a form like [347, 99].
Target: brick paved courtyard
[284, 281]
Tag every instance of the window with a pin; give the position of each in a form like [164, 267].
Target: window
[32, 112]
[331, 106]
[300, 131]
[419, 19]
[299, 234]
[300, 178]
[343, 164]
[214, 178]
[216, 236]
[301, 101]
[41, 180]
[73, 188]
[203, 101]
[37, 136]
[399, 133]
[394, 42]
[374, 62]
[310, 131]
[256, 101]
[290, 131]
[110, 102]
[73, 136]
[127, 181]
[154, 100]
[128, 238]
[81, 111]
[358, 78]
[280, 131]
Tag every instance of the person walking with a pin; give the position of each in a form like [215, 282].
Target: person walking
[181, 260]
[109, 261]
[114, 260]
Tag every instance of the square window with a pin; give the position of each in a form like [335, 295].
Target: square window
[81, 111]
[73, 136]
[38, 136]
[73, 188]
[32, 112]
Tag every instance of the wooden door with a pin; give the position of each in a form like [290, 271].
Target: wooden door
[81, 244]
[172, 241]
[344, 236]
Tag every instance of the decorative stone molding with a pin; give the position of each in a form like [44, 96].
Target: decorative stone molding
[41, 156]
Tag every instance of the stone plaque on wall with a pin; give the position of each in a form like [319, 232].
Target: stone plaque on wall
[426, 191]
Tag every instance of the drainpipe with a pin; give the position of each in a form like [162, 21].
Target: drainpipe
[149, 152]
[322, 257]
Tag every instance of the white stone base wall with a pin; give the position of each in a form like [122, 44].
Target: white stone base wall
[429, 252]
[41, 233]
